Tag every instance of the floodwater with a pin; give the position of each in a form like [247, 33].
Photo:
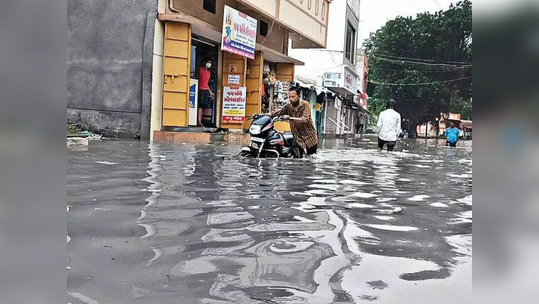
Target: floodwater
[152, 223]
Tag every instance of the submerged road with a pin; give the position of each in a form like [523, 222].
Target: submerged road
[152, 223]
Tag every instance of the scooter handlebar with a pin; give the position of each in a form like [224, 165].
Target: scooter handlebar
[274, 119]
[280, 118]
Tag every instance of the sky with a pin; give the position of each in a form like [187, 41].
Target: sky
[375, 13]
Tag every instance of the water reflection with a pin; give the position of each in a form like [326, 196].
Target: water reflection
[350, 225]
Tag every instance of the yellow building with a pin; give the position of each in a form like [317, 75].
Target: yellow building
[189, 31]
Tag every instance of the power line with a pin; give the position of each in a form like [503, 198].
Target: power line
[422, 71]
[417, 84]
[418, 59]
[426, 98]
[403, 59]
[423, 98]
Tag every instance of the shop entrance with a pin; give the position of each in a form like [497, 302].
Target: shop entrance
[277, 79]
[268, 97]
[203, 51]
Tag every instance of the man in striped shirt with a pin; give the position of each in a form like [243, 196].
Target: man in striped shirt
[298, 112]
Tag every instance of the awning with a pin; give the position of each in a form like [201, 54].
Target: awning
[304, 85]
[467, 123]
[213, 33]
[339, 91]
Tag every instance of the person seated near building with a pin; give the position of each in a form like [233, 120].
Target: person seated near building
[205, 95]
[298, 112]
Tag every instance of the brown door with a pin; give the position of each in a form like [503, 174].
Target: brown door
[177, 59]
[284, 72]
[233, 65]
[254, 86]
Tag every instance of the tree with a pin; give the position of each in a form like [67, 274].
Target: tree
[424, 63]
[464, 107]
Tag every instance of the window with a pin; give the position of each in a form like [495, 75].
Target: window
[350, 43]
[209, 5]
[263, 28]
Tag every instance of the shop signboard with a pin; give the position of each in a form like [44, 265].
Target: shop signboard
[332, 79]
[234, 79]
[350, 81]
[234, 100]
[363, 100]
[239, 33]
[450, 116]
[343, 82]
[454, 116]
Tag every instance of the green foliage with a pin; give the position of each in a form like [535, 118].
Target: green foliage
[73, 129]
[464, 107]
[416, 61]
[377, 105]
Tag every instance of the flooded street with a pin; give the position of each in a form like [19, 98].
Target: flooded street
[152, 223]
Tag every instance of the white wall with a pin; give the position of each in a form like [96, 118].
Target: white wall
[157, 78]
[318, 61]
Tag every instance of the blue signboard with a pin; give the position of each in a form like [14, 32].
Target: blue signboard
[192, 95]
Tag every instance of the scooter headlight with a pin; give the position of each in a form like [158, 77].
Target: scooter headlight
[255, 129]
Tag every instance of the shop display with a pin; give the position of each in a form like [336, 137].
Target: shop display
[267, 97]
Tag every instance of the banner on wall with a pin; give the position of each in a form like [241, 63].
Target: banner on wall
[350, 81]
[239, 33]
[234, 101]
[363, 100]
[193, 103]
[343, 82]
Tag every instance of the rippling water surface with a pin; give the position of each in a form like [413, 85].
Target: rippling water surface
[194, 224]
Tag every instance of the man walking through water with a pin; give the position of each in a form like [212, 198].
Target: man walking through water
[301, 123]
[452, 135]
[389, 126]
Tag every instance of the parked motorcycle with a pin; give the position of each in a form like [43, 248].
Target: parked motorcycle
[268, 142]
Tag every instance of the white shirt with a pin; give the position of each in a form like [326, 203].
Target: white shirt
[389, 125]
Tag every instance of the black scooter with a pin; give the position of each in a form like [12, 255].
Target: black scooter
[268, 142]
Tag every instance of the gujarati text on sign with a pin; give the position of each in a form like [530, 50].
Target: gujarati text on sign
[234, 100]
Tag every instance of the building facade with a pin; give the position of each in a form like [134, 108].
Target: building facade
[133, 69]
[109, 65]
[337, 69]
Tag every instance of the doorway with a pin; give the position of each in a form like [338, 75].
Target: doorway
[269, 79]
[201, 51]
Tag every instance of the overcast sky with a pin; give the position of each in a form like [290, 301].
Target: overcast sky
[375, 13]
